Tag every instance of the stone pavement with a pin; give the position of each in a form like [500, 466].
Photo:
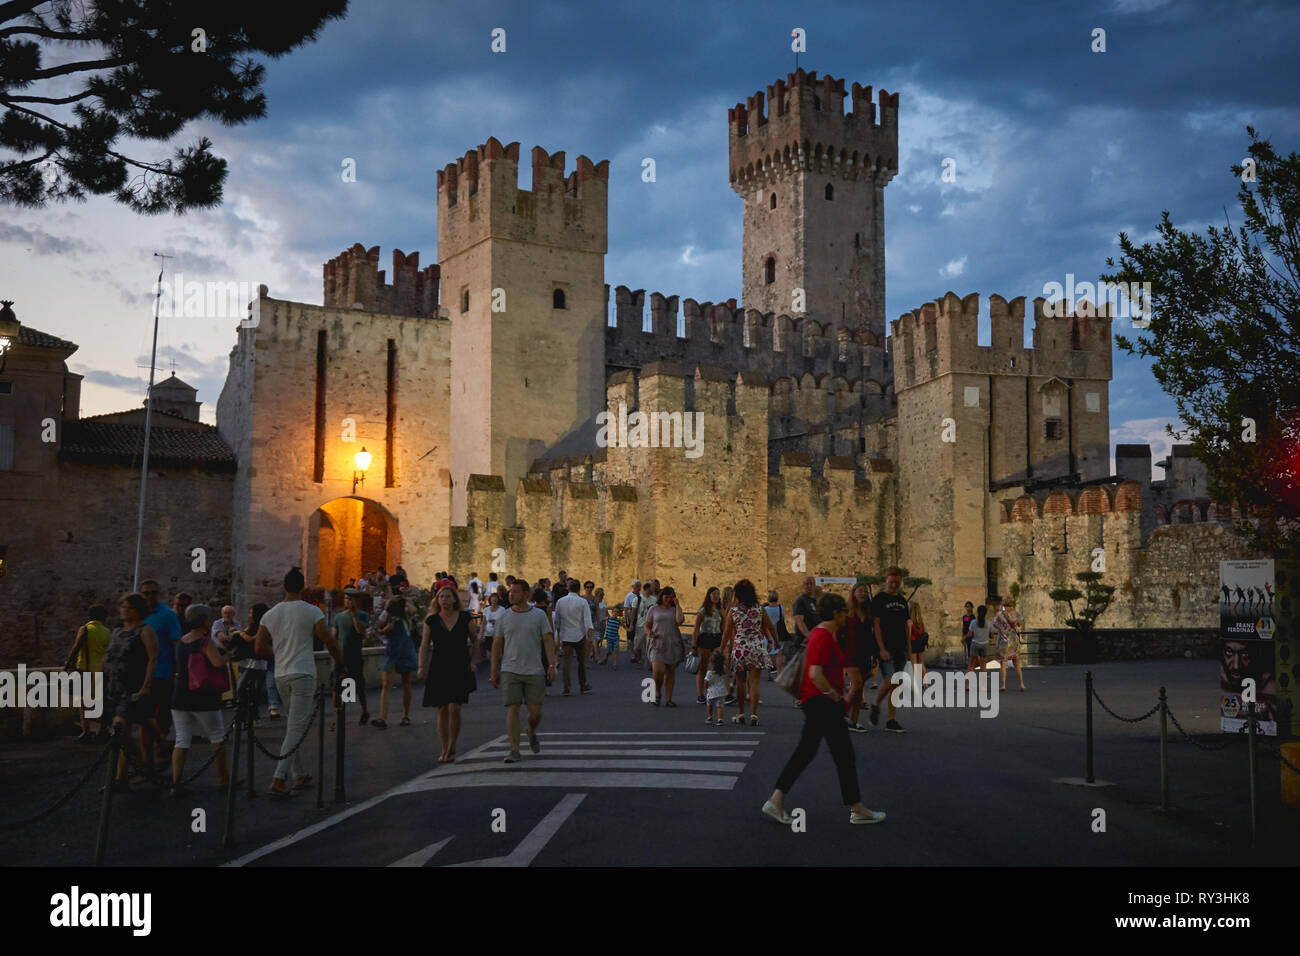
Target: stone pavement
[622, 783]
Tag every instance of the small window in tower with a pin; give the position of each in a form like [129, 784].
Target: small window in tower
[830, 191]
[769, 271]
[817, 102]
[6, 388]
[557, 299]
[464, 300]
[771, 203]
[857, 240]
[862, 446]
[1053, 430]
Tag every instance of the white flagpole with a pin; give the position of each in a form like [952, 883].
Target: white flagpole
[148, 421]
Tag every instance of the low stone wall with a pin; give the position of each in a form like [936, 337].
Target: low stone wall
[1130, 644]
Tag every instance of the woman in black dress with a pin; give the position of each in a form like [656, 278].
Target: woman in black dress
[449, 633]
[128, 674]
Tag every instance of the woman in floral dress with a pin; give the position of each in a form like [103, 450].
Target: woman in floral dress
[744, 643]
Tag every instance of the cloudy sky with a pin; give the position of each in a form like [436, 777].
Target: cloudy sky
[1057, 150]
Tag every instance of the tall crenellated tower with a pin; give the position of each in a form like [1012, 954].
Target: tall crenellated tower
[523, 282]
[813, 182]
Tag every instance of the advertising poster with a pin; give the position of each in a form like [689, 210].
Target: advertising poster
[1247, 653]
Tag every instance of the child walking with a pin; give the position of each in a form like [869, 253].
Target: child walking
[612, 624]
[716, 692]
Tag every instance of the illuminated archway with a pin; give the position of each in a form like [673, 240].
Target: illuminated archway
[348, 537]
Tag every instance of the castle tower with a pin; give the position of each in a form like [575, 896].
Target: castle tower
[522, 275]
[976, 423]
[813, 181]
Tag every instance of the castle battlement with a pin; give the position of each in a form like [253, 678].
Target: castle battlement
[725, 336]
[479, 197]
[353, 278]
[941, 337]
[804, 126]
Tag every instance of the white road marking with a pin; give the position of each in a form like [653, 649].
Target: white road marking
[546, 760]
[500, 753]
[542, 778]
[537, 838]
[421, 857]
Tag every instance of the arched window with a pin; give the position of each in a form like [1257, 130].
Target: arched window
[769, 270]
[830, 191]
[771, 203]
[557, 299]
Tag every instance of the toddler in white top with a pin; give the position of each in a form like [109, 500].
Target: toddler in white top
[716, 683]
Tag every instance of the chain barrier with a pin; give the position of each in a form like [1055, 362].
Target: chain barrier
[315, 709]
[1127, 720]
[19, 824]
[1268, 748]
[1192, 740]
[158, 775]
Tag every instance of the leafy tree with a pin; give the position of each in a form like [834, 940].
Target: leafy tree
[140, 69]
[1224, 338]
[1095, 595]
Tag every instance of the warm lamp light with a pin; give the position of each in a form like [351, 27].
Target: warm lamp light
[363, 465]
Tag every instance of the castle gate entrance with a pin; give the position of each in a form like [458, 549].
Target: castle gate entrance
[348, 537]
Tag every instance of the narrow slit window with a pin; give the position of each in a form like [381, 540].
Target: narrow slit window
[318, 467]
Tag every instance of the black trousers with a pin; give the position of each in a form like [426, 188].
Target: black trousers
[578, 648]
[823, 719]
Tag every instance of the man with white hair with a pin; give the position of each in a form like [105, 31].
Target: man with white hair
[225, 625]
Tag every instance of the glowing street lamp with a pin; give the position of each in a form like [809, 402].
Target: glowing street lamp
[363, 465]
[8, 331]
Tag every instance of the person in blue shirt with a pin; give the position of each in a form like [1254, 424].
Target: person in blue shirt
[167, 626]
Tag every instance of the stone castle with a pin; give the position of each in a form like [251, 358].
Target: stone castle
[474, 385]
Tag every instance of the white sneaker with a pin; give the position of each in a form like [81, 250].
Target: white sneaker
[772, 813]
[876, 816]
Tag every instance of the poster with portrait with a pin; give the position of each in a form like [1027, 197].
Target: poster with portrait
[1246, 660]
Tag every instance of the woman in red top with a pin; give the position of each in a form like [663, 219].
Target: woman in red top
[823, 718]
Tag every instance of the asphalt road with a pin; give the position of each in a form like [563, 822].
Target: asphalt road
[619, 782]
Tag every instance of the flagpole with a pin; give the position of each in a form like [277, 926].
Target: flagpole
[148, 421]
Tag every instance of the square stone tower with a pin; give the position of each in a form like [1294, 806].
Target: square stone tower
[813, 181]
[523, 282]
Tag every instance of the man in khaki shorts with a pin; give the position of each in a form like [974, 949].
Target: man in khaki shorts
[523, 660]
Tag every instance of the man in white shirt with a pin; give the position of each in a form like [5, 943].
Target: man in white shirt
[573, 626]
[630, 605]
[287, 631]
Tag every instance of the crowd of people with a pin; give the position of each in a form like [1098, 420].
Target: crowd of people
[169, 666]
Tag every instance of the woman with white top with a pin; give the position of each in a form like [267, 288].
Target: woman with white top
[491, 612]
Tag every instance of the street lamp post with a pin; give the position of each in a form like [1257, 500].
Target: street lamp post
[362, 466]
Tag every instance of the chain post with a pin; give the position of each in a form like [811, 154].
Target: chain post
[1088, 695]
[341, 717]
[228, 837]
[110, 780]
[1250, 719]
[1164, 750]
[320, 756]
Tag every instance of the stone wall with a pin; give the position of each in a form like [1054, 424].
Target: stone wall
[267, 415]
[1171, 580]
[74, 546]
[1132, 644]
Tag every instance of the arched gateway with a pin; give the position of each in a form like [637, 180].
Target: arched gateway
[348, 537]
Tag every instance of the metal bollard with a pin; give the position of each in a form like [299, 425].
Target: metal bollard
[1164, 751]
[320, 756]
[110, 778]
[250, 717]
[228, 838]
[1250, 720]
[1088, 694]
[341, 716]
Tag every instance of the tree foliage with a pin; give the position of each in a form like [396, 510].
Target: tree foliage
[1224, 339]
[874, 581]
[1095, 595]
[79, 76]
